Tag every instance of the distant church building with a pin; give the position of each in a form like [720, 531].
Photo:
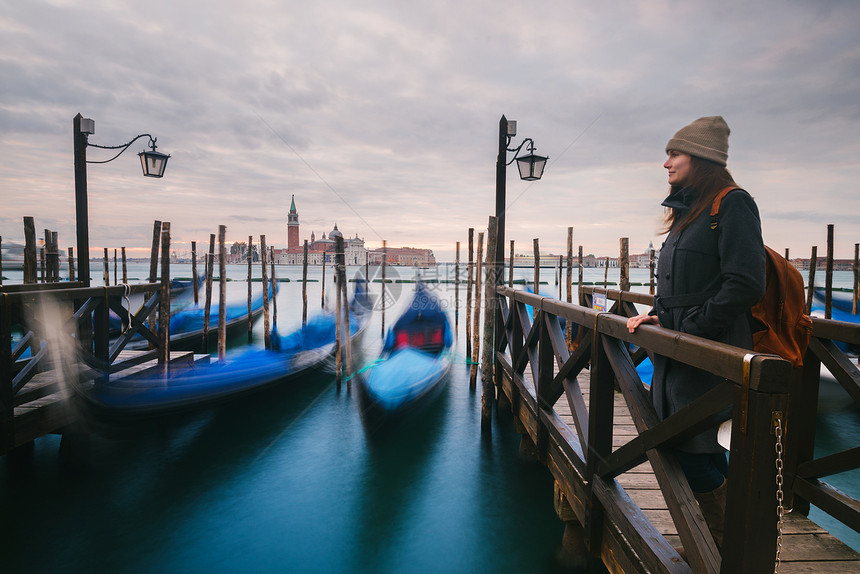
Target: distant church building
[319, 250]
[293, 225]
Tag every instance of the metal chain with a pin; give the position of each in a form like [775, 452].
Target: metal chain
[780, 509]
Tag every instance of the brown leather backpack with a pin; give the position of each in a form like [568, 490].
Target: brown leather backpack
[781, 325]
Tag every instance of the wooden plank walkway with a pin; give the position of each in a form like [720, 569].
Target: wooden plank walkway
[43, 406]
[807, 547]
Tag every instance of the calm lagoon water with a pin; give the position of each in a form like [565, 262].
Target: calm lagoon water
[291, 480]
[287, 481]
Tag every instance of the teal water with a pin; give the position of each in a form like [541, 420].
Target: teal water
[286, 481]
[291, 480]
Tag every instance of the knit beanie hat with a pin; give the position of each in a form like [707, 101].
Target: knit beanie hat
[707, 138]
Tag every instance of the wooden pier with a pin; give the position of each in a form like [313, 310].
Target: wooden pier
[68, 346]
[586, 414]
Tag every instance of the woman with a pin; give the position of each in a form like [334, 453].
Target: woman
[707, 281]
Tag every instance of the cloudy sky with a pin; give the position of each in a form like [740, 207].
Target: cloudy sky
[382, 116]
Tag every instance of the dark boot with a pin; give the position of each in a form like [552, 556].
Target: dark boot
[713, 506]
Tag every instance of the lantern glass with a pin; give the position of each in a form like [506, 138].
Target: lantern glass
[153, 163]
[531, 166]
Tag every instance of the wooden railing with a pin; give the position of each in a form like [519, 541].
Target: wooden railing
[81, 322]
[582, 459]
[804, 473]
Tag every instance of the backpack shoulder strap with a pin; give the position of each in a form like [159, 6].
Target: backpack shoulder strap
[715, 206]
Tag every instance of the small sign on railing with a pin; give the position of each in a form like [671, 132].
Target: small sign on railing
[599, 302]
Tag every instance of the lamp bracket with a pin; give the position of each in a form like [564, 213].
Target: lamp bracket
[517, 149]
[122, 147]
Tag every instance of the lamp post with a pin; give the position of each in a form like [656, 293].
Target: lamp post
[531, 168]
[153, 163]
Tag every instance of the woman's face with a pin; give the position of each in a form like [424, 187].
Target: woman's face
[679, 166]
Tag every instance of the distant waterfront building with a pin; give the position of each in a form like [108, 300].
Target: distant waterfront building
[643, 260]
[411, 256]
[323, 249]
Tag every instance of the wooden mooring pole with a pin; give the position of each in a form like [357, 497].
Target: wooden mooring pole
[457, 291]
[71, 263]
[164, 303]
[55, 255]
[347, 332]
[476, 324]
[250, 290]
[813, 263]
[194, 275]
[338, 302]
[536, 249]
[558, 278]
[856, 270]
[47, 272]
[106, 265]
[210, 265]
[29, 250]
[488, 389]
[125, 274]
[382, 292]
[153, 264]
[651, 270]
[624, 277]
[511, 266]
[579, 283]
[222, 293]
[469, 272]
[322, 295]
[828, 277]
[272, 283]
[568, 332]
[606, 273]
[266, 326]
[305, 284]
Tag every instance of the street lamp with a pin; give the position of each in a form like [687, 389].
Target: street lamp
[531, 168]
[153, 163]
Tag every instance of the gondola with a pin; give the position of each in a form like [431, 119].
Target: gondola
[244, 370]
[186, 324]
[416, 356]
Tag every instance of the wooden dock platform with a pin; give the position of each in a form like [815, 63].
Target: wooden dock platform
[806, 546]
[44, 405]
[583, 410]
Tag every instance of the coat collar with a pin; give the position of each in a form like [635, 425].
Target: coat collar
[680, 200]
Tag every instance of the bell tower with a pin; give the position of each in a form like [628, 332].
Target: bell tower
[293, 225]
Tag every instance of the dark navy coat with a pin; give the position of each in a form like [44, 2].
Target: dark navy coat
[728, 265]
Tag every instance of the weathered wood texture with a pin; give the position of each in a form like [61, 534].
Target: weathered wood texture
[29, 392]
[610, 454]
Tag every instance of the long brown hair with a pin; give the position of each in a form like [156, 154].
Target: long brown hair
[707, 178]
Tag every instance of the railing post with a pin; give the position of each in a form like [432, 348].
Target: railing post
[749, 544]
[6, 410]
[800, 426]
[101, 327]
[543, 379]
[600, 420]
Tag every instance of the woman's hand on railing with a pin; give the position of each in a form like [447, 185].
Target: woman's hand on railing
[634, 322]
